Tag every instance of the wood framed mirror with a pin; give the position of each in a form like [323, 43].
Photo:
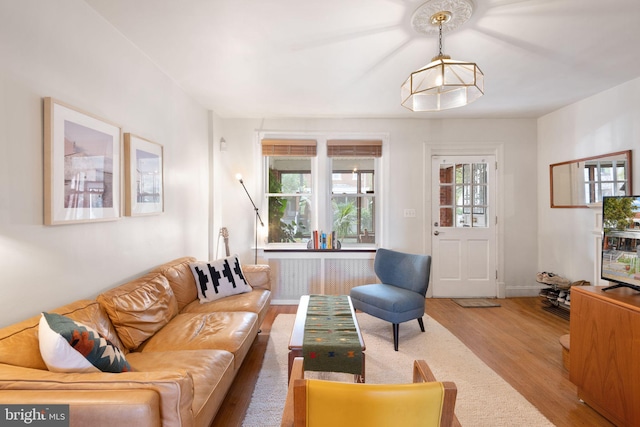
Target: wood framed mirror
[582, 182]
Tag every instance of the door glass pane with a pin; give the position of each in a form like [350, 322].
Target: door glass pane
[480, 173]
[480, 217]
[463, 217]
[446, 195]
[446, 174]
[480, 195]
[446, 217]
[464, 195]
[463, 174]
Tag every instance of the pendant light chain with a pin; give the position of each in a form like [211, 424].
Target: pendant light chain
[440, 36]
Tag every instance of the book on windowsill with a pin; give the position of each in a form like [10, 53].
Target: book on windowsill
[323, 241]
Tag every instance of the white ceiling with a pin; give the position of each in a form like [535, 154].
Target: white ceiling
[348, 58]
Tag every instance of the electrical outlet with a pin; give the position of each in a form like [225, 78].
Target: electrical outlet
[409, 213]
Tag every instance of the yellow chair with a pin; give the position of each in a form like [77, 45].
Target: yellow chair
[425, 402]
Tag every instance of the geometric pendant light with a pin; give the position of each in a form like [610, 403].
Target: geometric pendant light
[443, 83]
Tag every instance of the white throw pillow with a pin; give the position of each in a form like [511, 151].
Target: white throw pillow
[218, 279]
[70, 346]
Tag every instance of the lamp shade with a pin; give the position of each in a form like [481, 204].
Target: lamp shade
[442, 84]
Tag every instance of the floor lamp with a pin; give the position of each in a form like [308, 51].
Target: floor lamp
[239, 177]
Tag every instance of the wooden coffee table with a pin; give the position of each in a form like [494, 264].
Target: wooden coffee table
[297, 334]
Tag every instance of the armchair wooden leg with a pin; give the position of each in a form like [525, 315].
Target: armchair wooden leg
[396, 333]
[421, 324]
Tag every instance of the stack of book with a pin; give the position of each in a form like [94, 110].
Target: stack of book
[321, 240]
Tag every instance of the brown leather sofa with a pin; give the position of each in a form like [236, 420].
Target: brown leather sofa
[185, 355]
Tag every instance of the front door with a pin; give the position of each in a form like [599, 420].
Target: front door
[463, 229]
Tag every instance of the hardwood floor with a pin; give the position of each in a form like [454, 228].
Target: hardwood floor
[518, 340]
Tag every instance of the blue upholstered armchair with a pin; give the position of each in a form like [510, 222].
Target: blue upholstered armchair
[401, 295]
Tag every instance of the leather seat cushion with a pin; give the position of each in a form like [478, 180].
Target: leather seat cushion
[230, 331]
[255, 301]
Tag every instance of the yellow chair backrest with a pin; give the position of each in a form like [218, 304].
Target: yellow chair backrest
[425, 402]
[330, 403]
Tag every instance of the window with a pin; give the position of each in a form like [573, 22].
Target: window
[337, 175]
[289, 189]
[353, 201]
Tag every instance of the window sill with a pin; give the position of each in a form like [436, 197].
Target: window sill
[349, 250]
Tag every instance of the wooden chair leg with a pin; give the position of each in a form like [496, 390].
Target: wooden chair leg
[396, 332]
[421, 324]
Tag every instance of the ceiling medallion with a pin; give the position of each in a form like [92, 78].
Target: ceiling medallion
[460, 11]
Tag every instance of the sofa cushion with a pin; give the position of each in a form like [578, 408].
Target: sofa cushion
[70, 346]
[232, 332]
[180, 278]
[258, 275]
[257, 301]
[138, 309]
[218, 279]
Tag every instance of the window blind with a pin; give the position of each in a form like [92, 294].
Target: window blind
[289, 147]
[354, 148]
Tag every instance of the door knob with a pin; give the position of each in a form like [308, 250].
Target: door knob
[435, 233]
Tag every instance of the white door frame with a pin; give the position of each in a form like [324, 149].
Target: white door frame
[441, 149]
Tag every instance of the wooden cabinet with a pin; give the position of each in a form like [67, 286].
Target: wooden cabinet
[605, 351]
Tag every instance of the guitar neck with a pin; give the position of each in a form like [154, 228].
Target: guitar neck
[225, 233]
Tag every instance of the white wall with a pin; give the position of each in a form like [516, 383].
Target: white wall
[65, 50]
[409, 140]
[604, 123]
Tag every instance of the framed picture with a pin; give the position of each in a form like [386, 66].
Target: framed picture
[143, 176]
[81, 166]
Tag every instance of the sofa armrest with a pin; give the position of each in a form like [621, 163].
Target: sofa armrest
[258, 275]
[95, 408]
[174, 388]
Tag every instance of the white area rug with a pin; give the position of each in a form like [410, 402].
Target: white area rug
[484, 398]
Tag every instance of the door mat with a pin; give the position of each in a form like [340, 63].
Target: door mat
[475, 302]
